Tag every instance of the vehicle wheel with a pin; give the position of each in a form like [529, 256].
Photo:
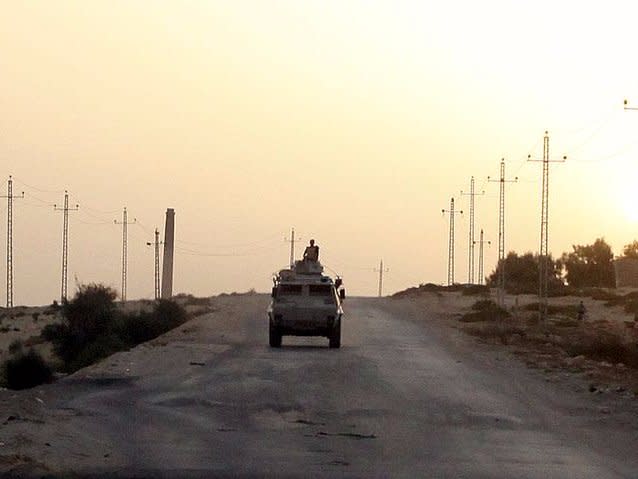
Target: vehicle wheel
[275, 337]
[335, 336]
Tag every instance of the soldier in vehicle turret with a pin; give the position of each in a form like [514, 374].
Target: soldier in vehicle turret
[311, 252]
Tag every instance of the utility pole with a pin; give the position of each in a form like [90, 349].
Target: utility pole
[124, 224]
[157, 244]
[292, 242]
[10, 199]
[65, 241]
[470, 268]
[450, 261]
[543, 257]
[381, 271]
[501, 233]
[481, 242]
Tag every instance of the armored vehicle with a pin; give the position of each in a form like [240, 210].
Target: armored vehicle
[305, 302]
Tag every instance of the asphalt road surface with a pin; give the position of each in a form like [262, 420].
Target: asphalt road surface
[405, 396]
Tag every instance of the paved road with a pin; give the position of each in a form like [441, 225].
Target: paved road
[405, 397]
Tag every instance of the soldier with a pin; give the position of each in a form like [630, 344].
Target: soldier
[311, 252]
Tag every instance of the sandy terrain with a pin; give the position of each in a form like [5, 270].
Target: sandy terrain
[408, 395]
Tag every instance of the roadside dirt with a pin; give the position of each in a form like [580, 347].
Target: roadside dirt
[602, 349]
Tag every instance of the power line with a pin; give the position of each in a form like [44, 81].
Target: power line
[471, 194]
[41, 190]
[543, 257]
[10, 198]
[450, 262]
[501, 233]
[65, 242]
[124, 224]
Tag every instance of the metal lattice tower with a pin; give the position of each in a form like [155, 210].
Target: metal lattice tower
[481, 242]
[292, 242]
[543, 256]
[381, 271]
[10, 199]
[65, 243]
[501, 233]
[450, 262]
[470, 268]
[124, 224]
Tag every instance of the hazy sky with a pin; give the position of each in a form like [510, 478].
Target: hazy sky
[353, 121]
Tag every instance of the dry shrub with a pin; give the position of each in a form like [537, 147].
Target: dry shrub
[569, 310]
[475, 290]
[605, 346]
[484, 310]
[500, 330]
[24, 371]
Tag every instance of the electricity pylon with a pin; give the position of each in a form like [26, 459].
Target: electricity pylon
[10, 199]
[65, 242]
[450, 260]
[381, 271]
[470, 268]
[543, 257]
[481, 242]
[501, 233]
[156, 278]
[292, 242]
[124, 224]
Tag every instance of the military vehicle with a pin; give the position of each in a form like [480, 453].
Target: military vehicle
[305, 302]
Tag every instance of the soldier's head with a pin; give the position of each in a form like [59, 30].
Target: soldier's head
[312, 242]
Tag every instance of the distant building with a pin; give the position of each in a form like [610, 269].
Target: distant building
[626, 272]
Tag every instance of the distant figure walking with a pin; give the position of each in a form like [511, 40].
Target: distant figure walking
[581, 311]
[311, 252]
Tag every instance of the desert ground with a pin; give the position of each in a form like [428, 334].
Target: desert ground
[413, 392]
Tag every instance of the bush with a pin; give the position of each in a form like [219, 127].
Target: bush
[52, 331]
[485, 310]
[93, 328]
[570, 310]
[26, 371]
[90, 313]
[600, 294]
[35, 317]
[475, 289]
[605, 346]
[15, 346]
[96, 351]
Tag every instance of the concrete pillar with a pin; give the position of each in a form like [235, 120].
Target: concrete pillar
[169, 242]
